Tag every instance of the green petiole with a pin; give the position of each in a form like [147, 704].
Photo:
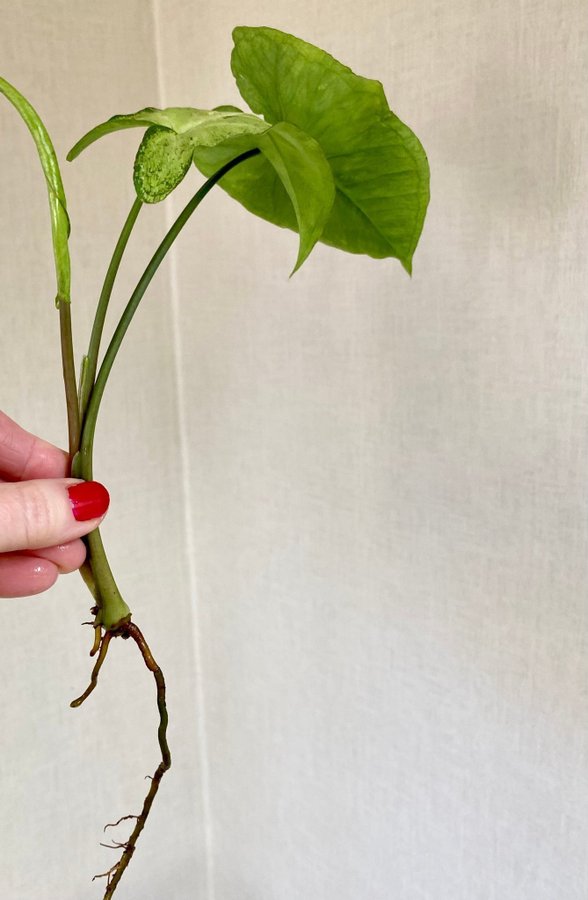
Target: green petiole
[87, 441]
[90, 362]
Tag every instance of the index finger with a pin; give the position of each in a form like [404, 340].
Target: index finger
[24, 456]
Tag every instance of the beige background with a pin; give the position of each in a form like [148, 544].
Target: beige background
[349, 509]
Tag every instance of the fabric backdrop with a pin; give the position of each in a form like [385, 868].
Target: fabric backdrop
[348, 509]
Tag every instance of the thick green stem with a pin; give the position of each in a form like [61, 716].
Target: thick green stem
[112, 609]
[90, 363]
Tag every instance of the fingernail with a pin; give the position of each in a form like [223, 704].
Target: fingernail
[89, 500]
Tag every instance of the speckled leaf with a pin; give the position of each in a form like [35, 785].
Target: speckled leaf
[165, 152]
[162, 160]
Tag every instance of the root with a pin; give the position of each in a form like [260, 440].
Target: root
[107, 875]
[129, 630]
[118, 821]
[103, 645]
[97, 639]
[135, 633]
[117, 871]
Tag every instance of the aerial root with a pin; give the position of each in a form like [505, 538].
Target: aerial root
[115, 845]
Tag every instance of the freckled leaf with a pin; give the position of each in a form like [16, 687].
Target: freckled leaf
[378, 165]
[204, 126]
[162, 160]
[60, 226]
[166, 150]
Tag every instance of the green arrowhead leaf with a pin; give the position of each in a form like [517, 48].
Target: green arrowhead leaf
[60, 226]
[378, 165]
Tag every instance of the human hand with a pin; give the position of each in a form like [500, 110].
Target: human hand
[43, 514]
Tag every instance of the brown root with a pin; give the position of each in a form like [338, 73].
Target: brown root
[101, 643]
[107, 874]
[118, 821]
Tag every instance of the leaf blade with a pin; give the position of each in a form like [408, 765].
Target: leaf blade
[290, 184]
[379, 167]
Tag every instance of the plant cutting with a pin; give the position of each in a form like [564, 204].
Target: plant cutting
[320, 153]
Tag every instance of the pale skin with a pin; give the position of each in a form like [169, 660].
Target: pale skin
[39, 536]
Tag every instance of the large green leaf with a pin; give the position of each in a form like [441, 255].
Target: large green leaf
[60, 226]
[379, 167]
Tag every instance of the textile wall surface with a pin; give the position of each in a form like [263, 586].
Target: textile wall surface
[66, 773]
[351, 510]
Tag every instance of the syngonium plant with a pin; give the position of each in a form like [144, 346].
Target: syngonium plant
[320, 153]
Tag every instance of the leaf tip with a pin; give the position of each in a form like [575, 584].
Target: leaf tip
[407, 265]
[75, 150]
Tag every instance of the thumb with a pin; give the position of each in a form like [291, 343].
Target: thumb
[49, 512]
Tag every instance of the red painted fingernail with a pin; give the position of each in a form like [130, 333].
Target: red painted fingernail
[89, 500]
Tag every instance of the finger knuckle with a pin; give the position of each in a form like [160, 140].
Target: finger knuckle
[36, 512]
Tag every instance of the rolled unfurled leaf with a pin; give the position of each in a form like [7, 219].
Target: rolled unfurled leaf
[60, 226]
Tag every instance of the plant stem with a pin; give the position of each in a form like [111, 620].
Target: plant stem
[91, 359]
[87, 441]
[69, 375]
[112, 609]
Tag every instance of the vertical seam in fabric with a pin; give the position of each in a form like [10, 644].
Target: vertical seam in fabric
[189, 531]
